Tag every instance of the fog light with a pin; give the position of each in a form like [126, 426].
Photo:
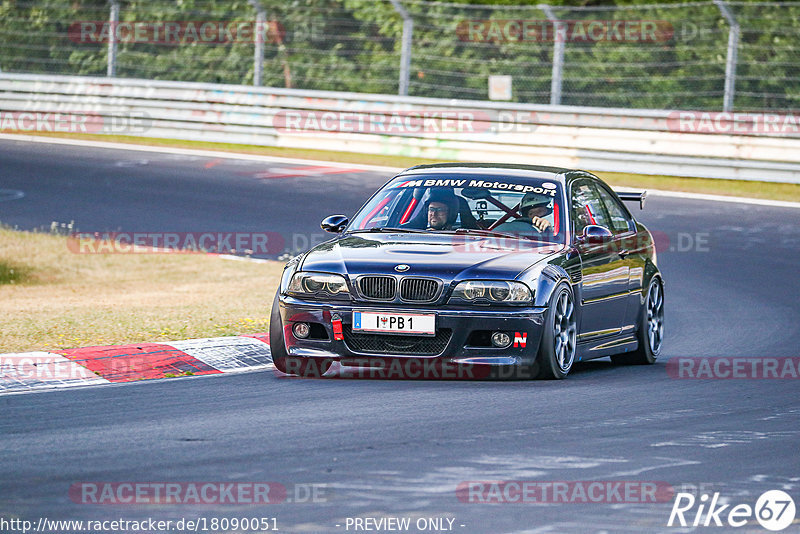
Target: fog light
[501, 340]
[301, 330]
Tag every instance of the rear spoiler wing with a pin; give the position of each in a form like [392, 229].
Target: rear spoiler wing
[633, 196]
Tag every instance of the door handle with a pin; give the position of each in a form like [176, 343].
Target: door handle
[623, 253]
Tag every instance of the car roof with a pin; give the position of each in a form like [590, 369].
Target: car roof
[507, 169]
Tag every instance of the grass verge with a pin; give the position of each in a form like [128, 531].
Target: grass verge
[56, 299]
[742, 188]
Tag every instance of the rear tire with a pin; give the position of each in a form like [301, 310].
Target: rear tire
[305, 367]
[559, 339]
[651, 329]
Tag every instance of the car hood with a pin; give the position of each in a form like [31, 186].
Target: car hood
[448, 257]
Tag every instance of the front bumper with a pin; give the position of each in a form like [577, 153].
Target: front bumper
[459, 357]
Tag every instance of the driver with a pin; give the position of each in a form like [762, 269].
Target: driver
[442, 210]
[536, 207]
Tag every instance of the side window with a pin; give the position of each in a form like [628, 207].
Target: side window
[616, 213]
[587, 208]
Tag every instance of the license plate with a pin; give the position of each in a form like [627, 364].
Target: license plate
[395, 323]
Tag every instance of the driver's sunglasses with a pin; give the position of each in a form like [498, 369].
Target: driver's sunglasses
[437, 210]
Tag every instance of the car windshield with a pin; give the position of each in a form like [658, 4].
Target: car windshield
[524, 207]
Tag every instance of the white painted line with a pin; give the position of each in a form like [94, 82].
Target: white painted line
[377, 168]
[196, 152]
[722, 198]
[231, 257]
[228, 354]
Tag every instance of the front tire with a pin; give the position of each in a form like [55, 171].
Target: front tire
[305, 367]
[277, 346]
[651, 328]
[559, 339]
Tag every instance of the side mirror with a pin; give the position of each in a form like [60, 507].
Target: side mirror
[595, 234]
[334, 224]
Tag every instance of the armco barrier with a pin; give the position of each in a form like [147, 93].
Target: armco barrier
[599, 139]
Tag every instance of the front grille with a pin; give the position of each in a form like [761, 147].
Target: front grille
[418, 289]
[378, 287]
[394, 344]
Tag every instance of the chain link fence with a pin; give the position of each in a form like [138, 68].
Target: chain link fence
[708, 55]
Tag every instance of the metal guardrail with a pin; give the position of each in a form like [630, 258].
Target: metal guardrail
[701, 54]
[599, 139]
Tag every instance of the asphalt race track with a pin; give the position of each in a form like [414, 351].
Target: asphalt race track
[401, 448]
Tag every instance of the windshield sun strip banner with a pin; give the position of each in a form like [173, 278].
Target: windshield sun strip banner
[546, 188]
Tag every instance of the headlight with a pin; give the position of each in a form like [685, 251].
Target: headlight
[307, 283]
[493, 292]
[288, 273]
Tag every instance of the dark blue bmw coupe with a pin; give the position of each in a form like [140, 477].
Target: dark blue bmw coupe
[474, 271]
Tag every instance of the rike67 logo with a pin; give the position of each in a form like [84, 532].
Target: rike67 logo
[774, 510]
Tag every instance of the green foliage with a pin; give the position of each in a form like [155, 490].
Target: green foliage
[11, 273]
[354, 45]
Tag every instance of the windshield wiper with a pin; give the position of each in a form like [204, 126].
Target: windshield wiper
[388, 229]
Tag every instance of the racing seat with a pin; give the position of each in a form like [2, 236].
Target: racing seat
[468, 220]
